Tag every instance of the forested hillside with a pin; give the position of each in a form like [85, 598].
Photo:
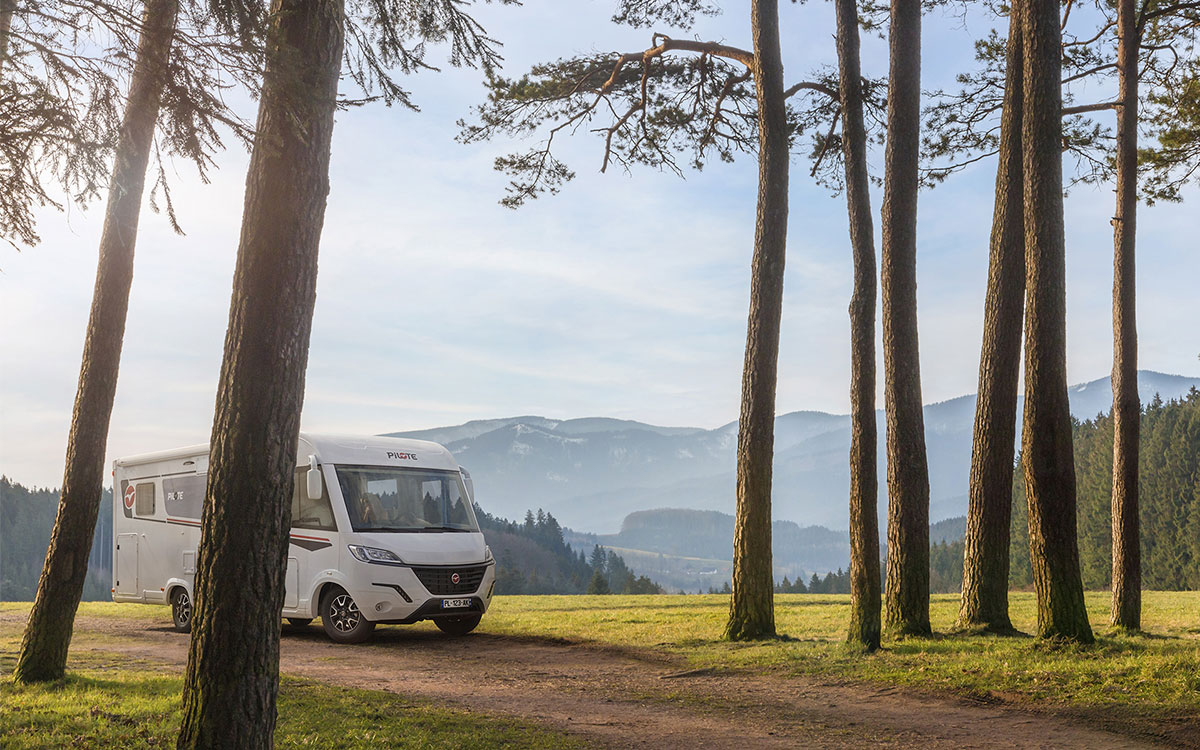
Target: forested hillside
[26, 519]
[532, 558]
[1170, 505]
[949, 530]
[1169, 474]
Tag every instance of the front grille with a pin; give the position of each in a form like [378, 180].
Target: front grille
[440, 581]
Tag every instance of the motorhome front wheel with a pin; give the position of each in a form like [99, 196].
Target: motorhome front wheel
[181, 610]
[341, 618]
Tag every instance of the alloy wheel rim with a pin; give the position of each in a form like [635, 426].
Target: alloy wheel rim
[344, 613]
[183, 608]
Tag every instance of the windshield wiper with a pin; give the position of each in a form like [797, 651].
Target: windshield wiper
[413, 529]
[369, 529]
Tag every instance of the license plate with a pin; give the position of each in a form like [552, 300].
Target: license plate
[455, 603]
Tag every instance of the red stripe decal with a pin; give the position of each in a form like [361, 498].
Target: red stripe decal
[197, 523]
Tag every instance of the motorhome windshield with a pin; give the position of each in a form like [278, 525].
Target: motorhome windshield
[409, 500]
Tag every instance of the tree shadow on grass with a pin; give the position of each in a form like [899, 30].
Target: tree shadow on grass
[125, 710]
[988, 631]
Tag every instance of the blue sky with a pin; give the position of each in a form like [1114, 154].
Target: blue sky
[625, 296]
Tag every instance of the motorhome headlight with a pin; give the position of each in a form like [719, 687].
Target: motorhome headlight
[374, 554]
[487, 554]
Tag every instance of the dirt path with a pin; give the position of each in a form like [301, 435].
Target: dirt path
[621, 699]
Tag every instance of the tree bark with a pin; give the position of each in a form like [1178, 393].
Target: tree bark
[232, 679]
[7, 8]
[752, 612]
[984, 604]
[908, 473]
[1127, 408]
[1046, 442]
[864, 482]
[43, 654]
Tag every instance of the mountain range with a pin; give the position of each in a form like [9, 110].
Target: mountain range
[591, 473]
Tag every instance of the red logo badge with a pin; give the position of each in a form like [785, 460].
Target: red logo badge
[454, 578]
[130, 495]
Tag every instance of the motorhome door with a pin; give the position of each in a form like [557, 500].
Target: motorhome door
[127, 561]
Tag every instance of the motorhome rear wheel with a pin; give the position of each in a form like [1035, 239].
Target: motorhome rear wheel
[181, 610]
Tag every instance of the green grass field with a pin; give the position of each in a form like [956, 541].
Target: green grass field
[1156, 673]
[1149, 677]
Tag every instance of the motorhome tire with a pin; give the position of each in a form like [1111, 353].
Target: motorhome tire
[181, 610]
[299, 622]
[457, 626]
[341, 618]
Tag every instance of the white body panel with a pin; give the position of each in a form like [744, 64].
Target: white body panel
[156, 532]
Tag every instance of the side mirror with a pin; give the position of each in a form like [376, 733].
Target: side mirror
[315, 484]
[466, 475]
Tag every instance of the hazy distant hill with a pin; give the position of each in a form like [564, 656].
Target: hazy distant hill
[591, 473]
[693, 549]
[709, 534]
[948, 530]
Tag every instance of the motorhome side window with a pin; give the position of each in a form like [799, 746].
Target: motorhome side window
[144, 502]
[310, 513]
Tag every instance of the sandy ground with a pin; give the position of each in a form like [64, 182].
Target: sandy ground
[615, 698]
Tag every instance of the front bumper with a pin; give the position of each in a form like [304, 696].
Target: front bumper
[394, 593]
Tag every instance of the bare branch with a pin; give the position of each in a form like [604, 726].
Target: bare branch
[1082, 108]
[810, 86]
[1066, 13]
[825, 144]
[730, 82]
[1103, 29]
[1090, 71]
[745, 57]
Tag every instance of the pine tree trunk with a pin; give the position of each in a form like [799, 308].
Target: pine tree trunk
[233, 664]
[984, 604]
[752, 610]
[7, 8]
[864, 483]
[908, 474]
[1046, 441]
[1127, 409]
[43, 654]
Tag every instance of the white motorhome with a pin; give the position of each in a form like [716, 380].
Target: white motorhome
[382, 532]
